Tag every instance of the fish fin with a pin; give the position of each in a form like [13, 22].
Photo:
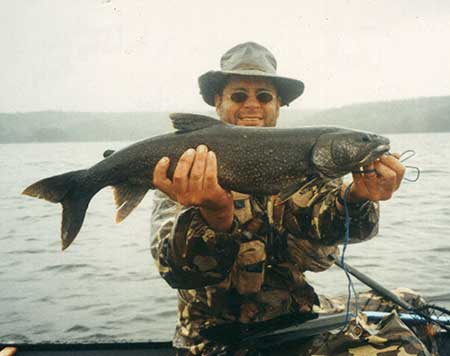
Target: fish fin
[54, 189]
[127, 197]
[108, 153]
[185, 122]
[74, 211]
[292, 189]
[63, 189]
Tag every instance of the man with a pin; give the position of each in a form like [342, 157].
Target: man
[234, 257]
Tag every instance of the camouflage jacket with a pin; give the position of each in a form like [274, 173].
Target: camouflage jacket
[255, 271]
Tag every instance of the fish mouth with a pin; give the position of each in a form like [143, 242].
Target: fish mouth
[374, 154]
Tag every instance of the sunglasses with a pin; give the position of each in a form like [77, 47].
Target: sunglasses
[263, 97]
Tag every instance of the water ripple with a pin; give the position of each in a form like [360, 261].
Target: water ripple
[27, 251]
[66, 267]
[78, 329]
[85, 306]
[14, 339]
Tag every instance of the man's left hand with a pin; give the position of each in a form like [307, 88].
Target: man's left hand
[8, 351]
[382, 179]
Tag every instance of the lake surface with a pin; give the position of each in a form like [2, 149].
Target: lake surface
[105, 286]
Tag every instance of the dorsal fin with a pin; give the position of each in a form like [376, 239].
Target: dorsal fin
[190, 122]
[108, 153]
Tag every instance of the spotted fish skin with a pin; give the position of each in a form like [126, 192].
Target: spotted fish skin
[245, 156]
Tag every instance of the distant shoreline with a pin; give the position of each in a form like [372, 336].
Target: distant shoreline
[418, 115]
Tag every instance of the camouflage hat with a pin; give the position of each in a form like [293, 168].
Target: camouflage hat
[249, 59]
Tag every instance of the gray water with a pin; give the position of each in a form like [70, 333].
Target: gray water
[105, 286]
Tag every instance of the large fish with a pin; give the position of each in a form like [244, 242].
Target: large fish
[250, 160]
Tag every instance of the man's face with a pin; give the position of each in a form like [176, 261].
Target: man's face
[251, 101]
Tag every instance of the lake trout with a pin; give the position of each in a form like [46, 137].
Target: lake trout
[251, 160]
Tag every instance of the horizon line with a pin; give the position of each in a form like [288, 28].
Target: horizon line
[212, 109]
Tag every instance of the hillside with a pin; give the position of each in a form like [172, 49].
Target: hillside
[411, 115]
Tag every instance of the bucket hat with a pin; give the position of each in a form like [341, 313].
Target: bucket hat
[248, 59]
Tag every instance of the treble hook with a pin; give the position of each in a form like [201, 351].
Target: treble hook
[409, 154]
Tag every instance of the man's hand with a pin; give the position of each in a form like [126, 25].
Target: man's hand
[382, 180]
[195, 183]
[8, 351]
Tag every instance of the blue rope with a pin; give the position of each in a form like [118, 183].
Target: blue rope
[351, 287]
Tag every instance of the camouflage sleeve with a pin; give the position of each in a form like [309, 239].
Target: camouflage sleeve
[317, 214]
[188, 253]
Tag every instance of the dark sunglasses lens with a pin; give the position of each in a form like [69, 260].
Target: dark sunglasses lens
[264, 97]
[239, 97]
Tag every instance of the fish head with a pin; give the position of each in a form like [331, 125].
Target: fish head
[341, 151]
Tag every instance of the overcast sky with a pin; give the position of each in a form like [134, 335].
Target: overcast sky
[110, 55]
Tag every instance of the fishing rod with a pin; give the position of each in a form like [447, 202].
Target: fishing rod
[286, 328]
[373, 284]
[434, 314]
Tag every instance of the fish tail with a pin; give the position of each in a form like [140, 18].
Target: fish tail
[65, 189]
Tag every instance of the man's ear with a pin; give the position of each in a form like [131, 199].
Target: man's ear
[218, 103]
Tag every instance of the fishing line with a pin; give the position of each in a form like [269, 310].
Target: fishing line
[436, 315]
[406, 155]
[351, 287]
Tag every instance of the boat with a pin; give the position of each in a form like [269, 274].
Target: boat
[264, 336]
[137, 348]
[95, 349]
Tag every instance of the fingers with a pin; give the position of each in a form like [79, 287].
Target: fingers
[211, 171]
[160, 179]
[387, 181]
[364, 182]
[379, 180]
[180, 180]
[198, 170]
[395, 165]
[194, 180]
[371, 177]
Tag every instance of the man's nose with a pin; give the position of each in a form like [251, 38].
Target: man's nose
[252, 101]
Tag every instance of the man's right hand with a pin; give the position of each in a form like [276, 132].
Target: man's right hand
[195, 183]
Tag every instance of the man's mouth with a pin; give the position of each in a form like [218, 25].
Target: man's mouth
[250, 118]
[251, 121]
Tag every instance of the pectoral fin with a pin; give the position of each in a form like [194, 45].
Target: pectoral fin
[292, 189]
[127, 196]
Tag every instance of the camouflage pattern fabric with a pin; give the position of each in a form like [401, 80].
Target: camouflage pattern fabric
[389, 337]
[255, 271]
